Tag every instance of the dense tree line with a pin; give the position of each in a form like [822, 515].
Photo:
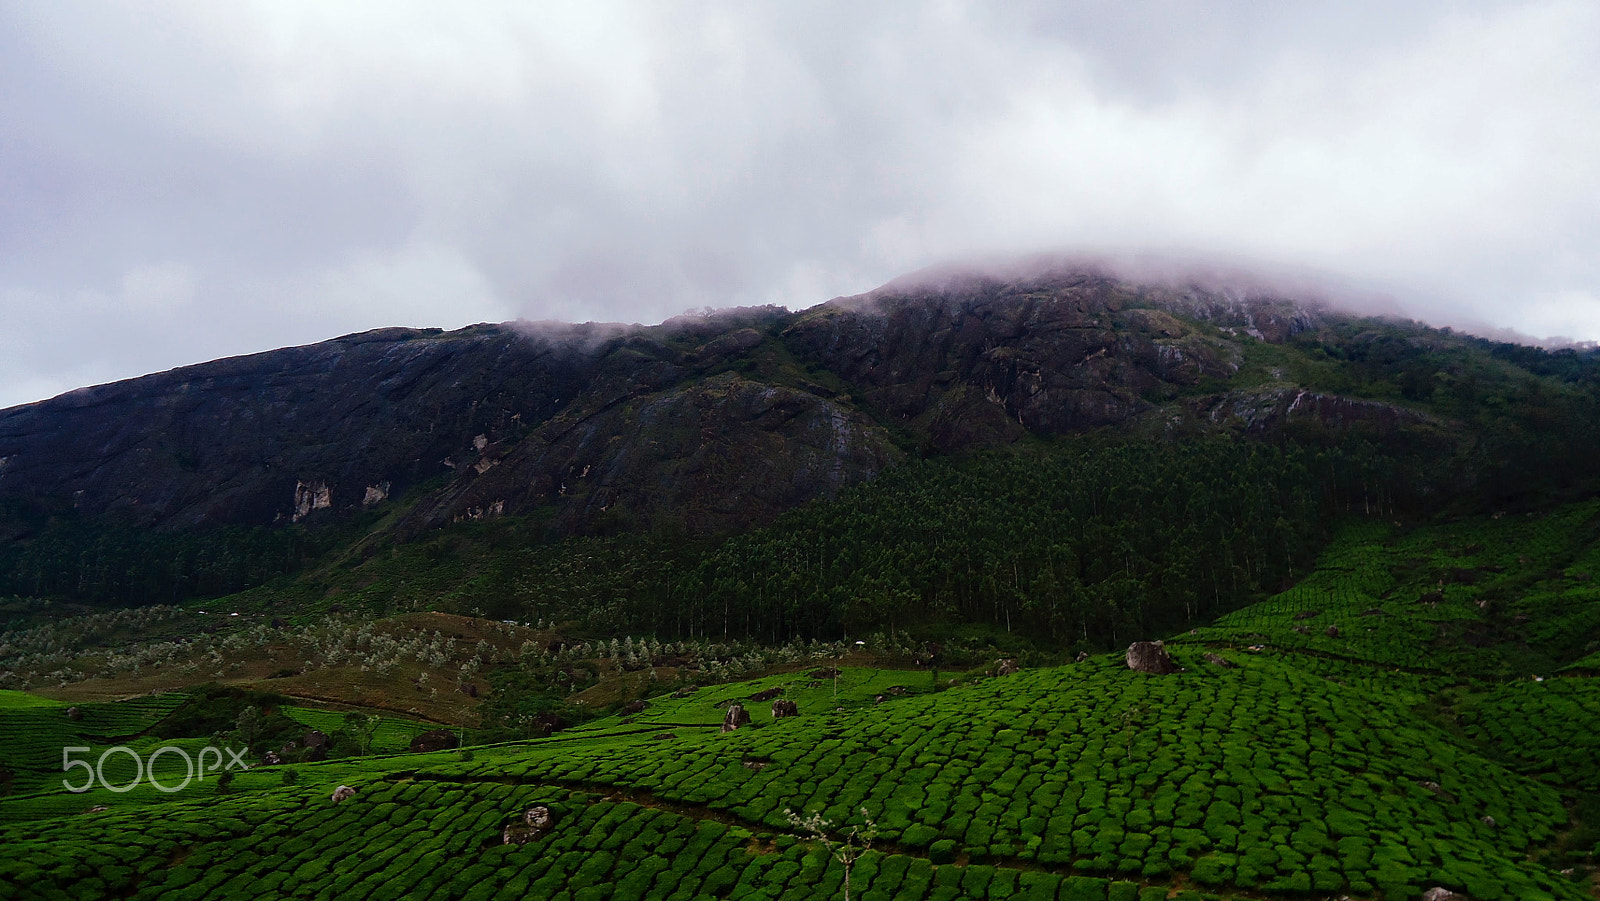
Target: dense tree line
[101, 562]
[1085, 541]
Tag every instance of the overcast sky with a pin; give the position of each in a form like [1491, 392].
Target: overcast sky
[183, 181]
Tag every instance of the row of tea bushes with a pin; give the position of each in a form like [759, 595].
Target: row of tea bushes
[1261, 777]
[1550, 728]
[32, 737]
[1490, 597]
[402, 839]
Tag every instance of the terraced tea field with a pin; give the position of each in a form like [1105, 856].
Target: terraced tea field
[35, 731]
[1403, 750]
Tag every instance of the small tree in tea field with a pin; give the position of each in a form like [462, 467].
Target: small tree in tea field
[855, 843]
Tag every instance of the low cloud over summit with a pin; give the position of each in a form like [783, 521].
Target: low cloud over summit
[185, 181]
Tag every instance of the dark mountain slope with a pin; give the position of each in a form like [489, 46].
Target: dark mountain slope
[710, 424]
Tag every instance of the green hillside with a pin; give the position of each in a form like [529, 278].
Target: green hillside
[1437, 735]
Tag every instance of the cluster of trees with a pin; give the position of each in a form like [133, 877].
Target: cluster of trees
[101, 562]
[1088, 540]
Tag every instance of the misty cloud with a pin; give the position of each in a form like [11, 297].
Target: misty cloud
[189, 180]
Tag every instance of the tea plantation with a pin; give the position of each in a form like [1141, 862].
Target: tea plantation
[1407, 716]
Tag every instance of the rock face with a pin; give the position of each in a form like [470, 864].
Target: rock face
[1150, 657]
[514, 416]
[734, 717]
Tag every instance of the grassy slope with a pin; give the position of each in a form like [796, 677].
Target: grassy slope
[1309, 766]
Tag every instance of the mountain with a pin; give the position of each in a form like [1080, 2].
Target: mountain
[920, 526]
[708, 425]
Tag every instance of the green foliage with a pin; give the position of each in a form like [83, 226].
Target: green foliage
[211, 708]
[526, 703]
[103, 562]
[1086, 540]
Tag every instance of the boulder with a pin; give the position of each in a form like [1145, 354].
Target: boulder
[1150, 657]
[1005, 666]
[74, 714]
[536, 822]
[824, 673]
[633, 707]
[685, 691]
[767, 695]
[1218, 660]
[1308, 614]
[343, 793]
[1438, 893]
[434, 740]
[314, 738]
[783, 708]
[735, 717]
[1082, 656]
[1332, 632]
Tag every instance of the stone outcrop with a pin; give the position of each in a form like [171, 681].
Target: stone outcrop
[535, 823]
[512, 417]
[1150, 657]
[734, 717]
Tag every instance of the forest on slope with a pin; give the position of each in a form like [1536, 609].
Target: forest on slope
[1082, 459]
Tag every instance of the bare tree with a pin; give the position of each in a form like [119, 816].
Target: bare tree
[855, 842]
